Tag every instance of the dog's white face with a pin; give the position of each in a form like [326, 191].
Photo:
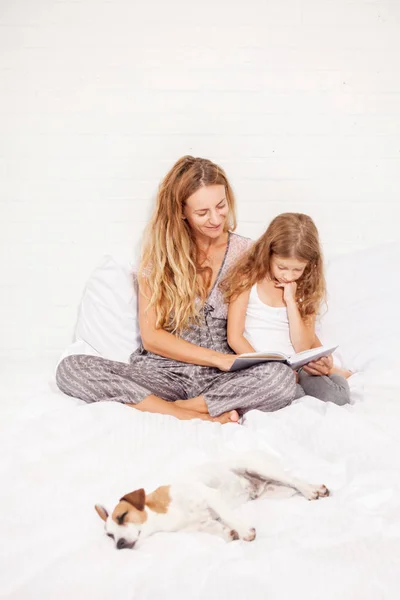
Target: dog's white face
[125, 524]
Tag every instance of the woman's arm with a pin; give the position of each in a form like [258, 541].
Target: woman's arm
[236, 323]
[169, 345]
[302, 332]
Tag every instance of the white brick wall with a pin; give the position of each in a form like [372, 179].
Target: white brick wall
[299, 101]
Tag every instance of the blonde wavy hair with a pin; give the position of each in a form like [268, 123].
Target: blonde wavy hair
[290, 235]
[171, 260]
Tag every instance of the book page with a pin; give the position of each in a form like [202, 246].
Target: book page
[252, 359]
[243, 361]
[271, 354]
[303, 358]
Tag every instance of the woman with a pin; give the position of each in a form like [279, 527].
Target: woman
[181, 367]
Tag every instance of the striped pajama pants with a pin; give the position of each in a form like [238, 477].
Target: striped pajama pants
[267, 387]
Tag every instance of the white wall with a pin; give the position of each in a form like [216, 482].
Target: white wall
[299, 101]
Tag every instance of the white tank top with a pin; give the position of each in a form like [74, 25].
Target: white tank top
[267, 327]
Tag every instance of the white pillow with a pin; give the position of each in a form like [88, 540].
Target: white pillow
[363, 294]
[107, 322]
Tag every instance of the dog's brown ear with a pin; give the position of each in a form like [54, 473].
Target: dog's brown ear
[101, 511]
[136, 498]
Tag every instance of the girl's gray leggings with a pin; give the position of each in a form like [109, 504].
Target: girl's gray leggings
[333, 388]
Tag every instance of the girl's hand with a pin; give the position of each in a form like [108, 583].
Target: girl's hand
[322, 366]
[289, 291]
[225, 361]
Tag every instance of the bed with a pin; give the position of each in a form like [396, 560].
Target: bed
[60, 456]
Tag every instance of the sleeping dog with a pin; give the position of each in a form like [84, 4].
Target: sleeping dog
[204, 499]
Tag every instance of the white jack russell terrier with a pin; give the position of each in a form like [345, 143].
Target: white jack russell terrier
[203, 499]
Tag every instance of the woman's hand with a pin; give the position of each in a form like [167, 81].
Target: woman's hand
[321, 366]
[224, 361]
[289, 291]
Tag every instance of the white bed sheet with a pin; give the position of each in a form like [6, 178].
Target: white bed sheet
[60, 456]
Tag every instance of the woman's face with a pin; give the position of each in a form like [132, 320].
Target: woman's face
[206, 211]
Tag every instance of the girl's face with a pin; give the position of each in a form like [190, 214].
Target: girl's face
[206, 211]
[286, 270]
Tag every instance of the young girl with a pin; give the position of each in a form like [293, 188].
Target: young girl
[274, 294]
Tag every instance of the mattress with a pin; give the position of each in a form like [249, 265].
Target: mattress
[60, 456]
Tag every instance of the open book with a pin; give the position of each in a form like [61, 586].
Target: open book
[295, 360]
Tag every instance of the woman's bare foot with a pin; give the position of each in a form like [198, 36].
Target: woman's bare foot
[231, 416]
[178, 409]
[198, 404]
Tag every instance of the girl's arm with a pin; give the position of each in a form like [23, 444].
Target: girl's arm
[236, 322]
[323, 366]
[169, 345]
[317, 343]
[302, 332]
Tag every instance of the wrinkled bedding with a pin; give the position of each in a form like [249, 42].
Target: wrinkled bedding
[60, 456]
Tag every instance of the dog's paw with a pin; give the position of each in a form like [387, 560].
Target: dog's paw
[241, 531]
[313, 492]
[250, 535]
